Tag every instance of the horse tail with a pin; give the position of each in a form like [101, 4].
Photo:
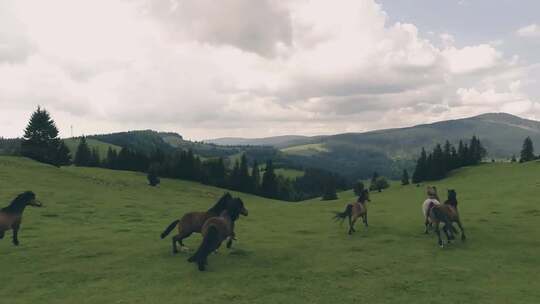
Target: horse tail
[340, 216]
[169, 229]
[208, 245]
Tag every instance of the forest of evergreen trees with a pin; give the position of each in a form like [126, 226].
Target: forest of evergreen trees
[443, 159]
[245, 175]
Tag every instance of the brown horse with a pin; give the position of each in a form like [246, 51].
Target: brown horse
[446, 213]
[354, 211]
[193, 222]
[11, 216]
[215, 230]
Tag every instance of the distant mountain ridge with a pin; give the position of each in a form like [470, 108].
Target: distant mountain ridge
[501, 132]
[389, 151]
[276, 141]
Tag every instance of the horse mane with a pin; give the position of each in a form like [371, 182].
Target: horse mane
[221, 204]
[19, 203]
[452, 198]
[363, 197]
[234, 208]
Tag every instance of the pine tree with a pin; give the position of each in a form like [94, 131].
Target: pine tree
[374, 178]
[380, 184]
[438, 165]
[63, 156]
[111, 160]
[255, 177]
[513, 158]
[269, 186]
[243, 175]
[527, 151]
[405, 178]
[95, 159]
[41, 141]
[330, 191]
[83, 157]
[420, 172]
[235, 182]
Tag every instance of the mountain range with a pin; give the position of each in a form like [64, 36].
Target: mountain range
[353, 155]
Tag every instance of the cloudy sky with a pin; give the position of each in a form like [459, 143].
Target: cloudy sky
[254, 68]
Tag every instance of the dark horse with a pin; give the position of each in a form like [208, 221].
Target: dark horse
[447, 213]
[193, 221]
[11, 216]
[355, 210]
[215, 230]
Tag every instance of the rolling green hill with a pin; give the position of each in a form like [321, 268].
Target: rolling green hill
[97, 241]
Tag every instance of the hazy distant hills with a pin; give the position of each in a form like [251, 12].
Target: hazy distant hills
[276, 141]
[501, 133]
[353, 155]
[389, 151]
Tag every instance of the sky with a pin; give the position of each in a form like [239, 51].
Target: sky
[257, 68]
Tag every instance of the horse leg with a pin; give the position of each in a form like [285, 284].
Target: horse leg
[352, 222]
[448, 233]
[351, 229]
[438, 231]
[232, 237]
[15, 228]
[462, 231]
[426, 223]
[364, 218]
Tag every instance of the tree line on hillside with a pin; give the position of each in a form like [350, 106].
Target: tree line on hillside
[245, 176]
[41, 143]
[443, 159]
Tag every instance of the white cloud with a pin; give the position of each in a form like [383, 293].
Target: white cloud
[532, 30]
[238, 67]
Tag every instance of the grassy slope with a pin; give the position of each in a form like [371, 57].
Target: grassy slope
[96, 241]
[306, 150]
[73, 143]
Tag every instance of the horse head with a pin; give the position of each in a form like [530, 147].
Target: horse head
[236, 207]
[364, 196]
[22, 200]
[452, 195]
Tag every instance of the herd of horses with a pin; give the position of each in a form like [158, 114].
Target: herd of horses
[217, 223]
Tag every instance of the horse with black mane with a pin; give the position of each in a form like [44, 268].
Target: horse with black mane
[355, 210]
[11, 216]
[193, 222]
[215, 230]
[446, 213]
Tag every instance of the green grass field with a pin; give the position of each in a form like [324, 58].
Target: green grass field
[288, 173]
[306, 150]
[97, 241]
[73, 143]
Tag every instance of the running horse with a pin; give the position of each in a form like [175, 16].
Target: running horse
[430, 202]
[446, 213]
[11, 216]
[216, 230]
[192, 222]
[354, 211]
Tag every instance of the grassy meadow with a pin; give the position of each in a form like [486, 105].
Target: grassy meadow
[97, 241]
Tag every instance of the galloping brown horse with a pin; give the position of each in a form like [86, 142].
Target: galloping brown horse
[354, 211]
[11, 216]
[215, 230]
[193, 222]
[446, 213]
